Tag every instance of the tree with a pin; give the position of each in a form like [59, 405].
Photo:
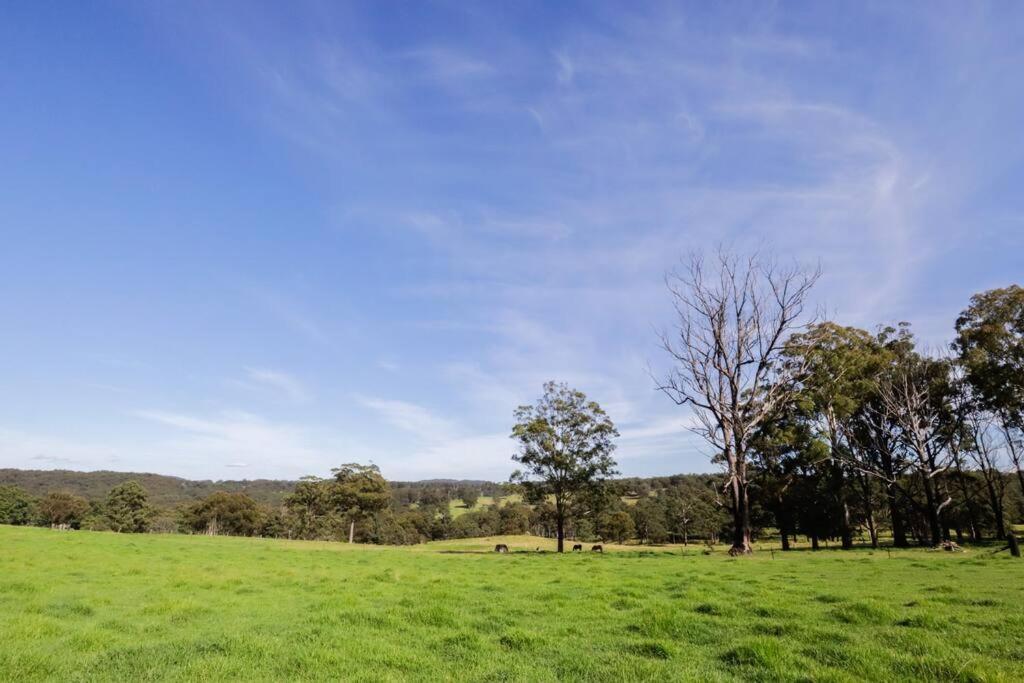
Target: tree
[127, 508]
[990, 344]
[469, 496]
[732, 322]
[985, 455]
[514, 519]
[357, 492]
[617, 526]
[16, 506]
[916, 403]
[60, 508]
[842, 366]
[565, 448]
[649, 519]
[308, 509]
[233, 514]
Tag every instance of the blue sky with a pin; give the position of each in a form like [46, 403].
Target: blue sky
[242, 240]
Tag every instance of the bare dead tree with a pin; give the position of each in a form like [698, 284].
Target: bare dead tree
[910, 403]
[732, 322]
[986, 456]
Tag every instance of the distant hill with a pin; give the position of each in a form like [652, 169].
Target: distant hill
[168, 492]
[164, 491]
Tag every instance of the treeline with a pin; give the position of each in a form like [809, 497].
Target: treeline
[164, 491]
[357, 503]
[885, 437]
[832, 429]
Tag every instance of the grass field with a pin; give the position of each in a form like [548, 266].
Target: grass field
[87, 606]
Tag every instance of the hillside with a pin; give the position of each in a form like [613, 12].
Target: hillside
[168, 491]
[164, 491]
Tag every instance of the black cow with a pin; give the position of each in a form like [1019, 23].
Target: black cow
[578, 548]
[501, 548]
[597, 549]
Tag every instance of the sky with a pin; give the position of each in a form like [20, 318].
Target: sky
[246, 240]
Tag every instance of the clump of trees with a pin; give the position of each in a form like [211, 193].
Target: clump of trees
[16, 506]
[834, 431]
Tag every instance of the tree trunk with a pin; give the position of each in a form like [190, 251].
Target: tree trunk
[934, 525]
[869, 509]
[899, 530]
[872, 530]
[740, 517]
[997, 505]
[560, 527]
[1014, 453]
[847, 530]
[972, 509]
[351, 531]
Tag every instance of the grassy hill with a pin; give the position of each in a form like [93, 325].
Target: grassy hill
[90, 605]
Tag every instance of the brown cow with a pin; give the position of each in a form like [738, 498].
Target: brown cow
[501, 548]
[578, 548]
[597, 549]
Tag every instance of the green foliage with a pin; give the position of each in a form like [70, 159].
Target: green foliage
[565, 448]
[359, 490]
[649, 520]
[16, 506]
[469, 496]
[127, 508]
[231, 514]
[990, 342]
[164, 492]
[617, 526]
[324, 508]
[60, 508]
[513, 519]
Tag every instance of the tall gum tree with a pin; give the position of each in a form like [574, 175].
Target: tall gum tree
[733, 318]
[565, 449]
[842, 366]
[990, 344]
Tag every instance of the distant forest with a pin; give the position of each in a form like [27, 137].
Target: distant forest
[167, 491]
[677, 508]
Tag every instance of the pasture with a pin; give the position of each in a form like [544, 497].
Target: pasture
[88, 606]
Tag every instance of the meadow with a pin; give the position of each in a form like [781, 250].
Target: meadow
[103, 606]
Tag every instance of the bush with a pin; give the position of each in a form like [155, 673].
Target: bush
[16, 506]
[60, 508]
[232, 514]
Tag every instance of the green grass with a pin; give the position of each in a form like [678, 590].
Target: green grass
[456, 507]
[88, 606]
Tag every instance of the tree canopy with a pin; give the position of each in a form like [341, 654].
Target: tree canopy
[565, 448]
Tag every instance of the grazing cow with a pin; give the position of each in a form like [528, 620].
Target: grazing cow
[597, 549]
[578, 548]
[501, 548]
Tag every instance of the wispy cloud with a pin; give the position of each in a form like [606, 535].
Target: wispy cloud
[223, 438]
[292, 314]
[412, 418]
[280, 382]
[499, 204]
